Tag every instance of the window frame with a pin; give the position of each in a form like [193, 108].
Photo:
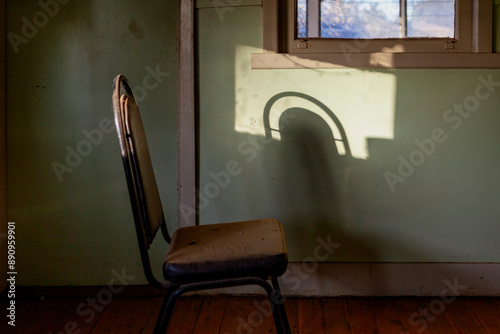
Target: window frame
[461, 43]
[471, 48]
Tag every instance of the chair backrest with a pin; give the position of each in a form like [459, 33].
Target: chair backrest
[141, 182]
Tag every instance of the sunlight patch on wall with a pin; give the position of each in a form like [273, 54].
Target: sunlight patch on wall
[362, 100]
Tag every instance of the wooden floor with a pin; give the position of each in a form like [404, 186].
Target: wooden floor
[252, 315]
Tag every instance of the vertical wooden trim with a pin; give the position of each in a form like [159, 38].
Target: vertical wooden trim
[464, 26]
[482, 26]
[3, 145]
[270, 9]
[186, 129]
[289, 26]
[403, 19]
[496, 26]
[313, 19]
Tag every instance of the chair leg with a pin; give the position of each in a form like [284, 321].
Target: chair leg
[281, 305]
[166, 310]
[273, 292]
[276, 313]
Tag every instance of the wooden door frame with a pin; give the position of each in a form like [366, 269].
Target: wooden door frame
[186, 116]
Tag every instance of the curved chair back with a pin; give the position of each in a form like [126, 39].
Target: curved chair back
[143, 191]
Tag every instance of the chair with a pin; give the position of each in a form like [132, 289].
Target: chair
[199, 257]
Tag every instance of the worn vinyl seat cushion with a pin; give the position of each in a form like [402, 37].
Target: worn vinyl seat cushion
[250, 248]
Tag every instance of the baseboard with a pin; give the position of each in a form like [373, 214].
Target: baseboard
[337, 279]
[76, 292]
[386, 279]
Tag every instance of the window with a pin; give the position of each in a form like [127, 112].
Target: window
[380, 26]
[372, 19]
[378, 33]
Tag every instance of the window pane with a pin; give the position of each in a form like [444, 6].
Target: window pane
[431, 18]
[360, 19]
[301, 18]
[351, 18]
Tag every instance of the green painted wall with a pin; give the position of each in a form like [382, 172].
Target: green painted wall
[76, 228]
[443, 210]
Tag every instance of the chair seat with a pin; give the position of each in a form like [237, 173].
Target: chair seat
[252, 248]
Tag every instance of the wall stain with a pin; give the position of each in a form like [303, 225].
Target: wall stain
[135, 30]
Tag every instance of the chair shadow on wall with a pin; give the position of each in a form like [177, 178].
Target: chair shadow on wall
[318, 170]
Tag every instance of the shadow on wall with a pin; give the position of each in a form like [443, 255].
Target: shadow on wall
[316, 167]
[320, 180]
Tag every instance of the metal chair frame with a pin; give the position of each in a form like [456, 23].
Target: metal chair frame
[136, 192]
